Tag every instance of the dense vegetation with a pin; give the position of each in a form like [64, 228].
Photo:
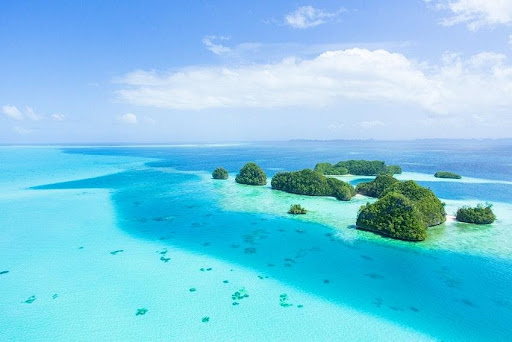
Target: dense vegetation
[430, 207]
[376, 187]
[329, 169]
[404, 210]
[220, 173]
[312, 183]
[296, 209]
[393, 215]
[479, 215]
[251, 174]
[358, 167]
[446, 174]
[393, 169]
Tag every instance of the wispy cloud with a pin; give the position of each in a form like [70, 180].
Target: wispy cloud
[474, 13]
[216, 48]
[21, 130]
[308, 16]
[12, 112]
[128, 118]
[58, 117]
[31, 114]
[480, 83]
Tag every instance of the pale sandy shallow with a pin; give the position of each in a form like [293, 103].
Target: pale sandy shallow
[98, 293]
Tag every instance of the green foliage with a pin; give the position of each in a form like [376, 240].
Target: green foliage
[446, 174]
[393, 169]
[311, 183]
[377, 186]
[251, 174]
[479, 215]
[363, 167]
[220, 173]
[430, 207]
[358, 167]
[393, 215]
[329, 169]
[297, 209]
[341, 190]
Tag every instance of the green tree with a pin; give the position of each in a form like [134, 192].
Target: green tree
[395, 216]
[297, 209]
[312, 183]
[377, 186]
[446, 174]
[220, 173]
[479, 215]
[393, 170]
[251, 174]
[430, 207]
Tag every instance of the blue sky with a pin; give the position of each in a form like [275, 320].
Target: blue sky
[182, 71]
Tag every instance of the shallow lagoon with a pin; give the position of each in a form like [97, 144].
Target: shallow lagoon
[58, 239]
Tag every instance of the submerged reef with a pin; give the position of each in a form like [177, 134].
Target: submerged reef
[141, 312]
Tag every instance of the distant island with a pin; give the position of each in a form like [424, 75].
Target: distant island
[312, 183]
[358, 168]
[220, 173]
[404, 211]
[446, 174]
[478, 215]
[251, 174]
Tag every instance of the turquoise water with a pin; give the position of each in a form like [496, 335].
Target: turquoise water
[91, 235]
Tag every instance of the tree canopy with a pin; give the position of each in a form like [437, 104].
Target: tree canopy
[377, 186]
[430, 207]
[297, 209]
[395, 216]
[312, 183]
[220, 173]
[446, 174]
[478, 215]
[251, 174]
[358, 167]
[329, 169]
[403, 211]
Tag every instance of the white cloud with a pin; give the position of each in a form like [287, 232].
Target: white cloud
[21, 130]
[475, 13]
[371, 124]
[58, 117]
[510, 40]
[31, 114]
[216, 48]
[482, 82]
[308, 16]
[128, 118]
[12, 112]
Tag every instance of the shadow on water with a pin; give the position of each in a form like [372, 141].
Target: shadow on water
[449, 296]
